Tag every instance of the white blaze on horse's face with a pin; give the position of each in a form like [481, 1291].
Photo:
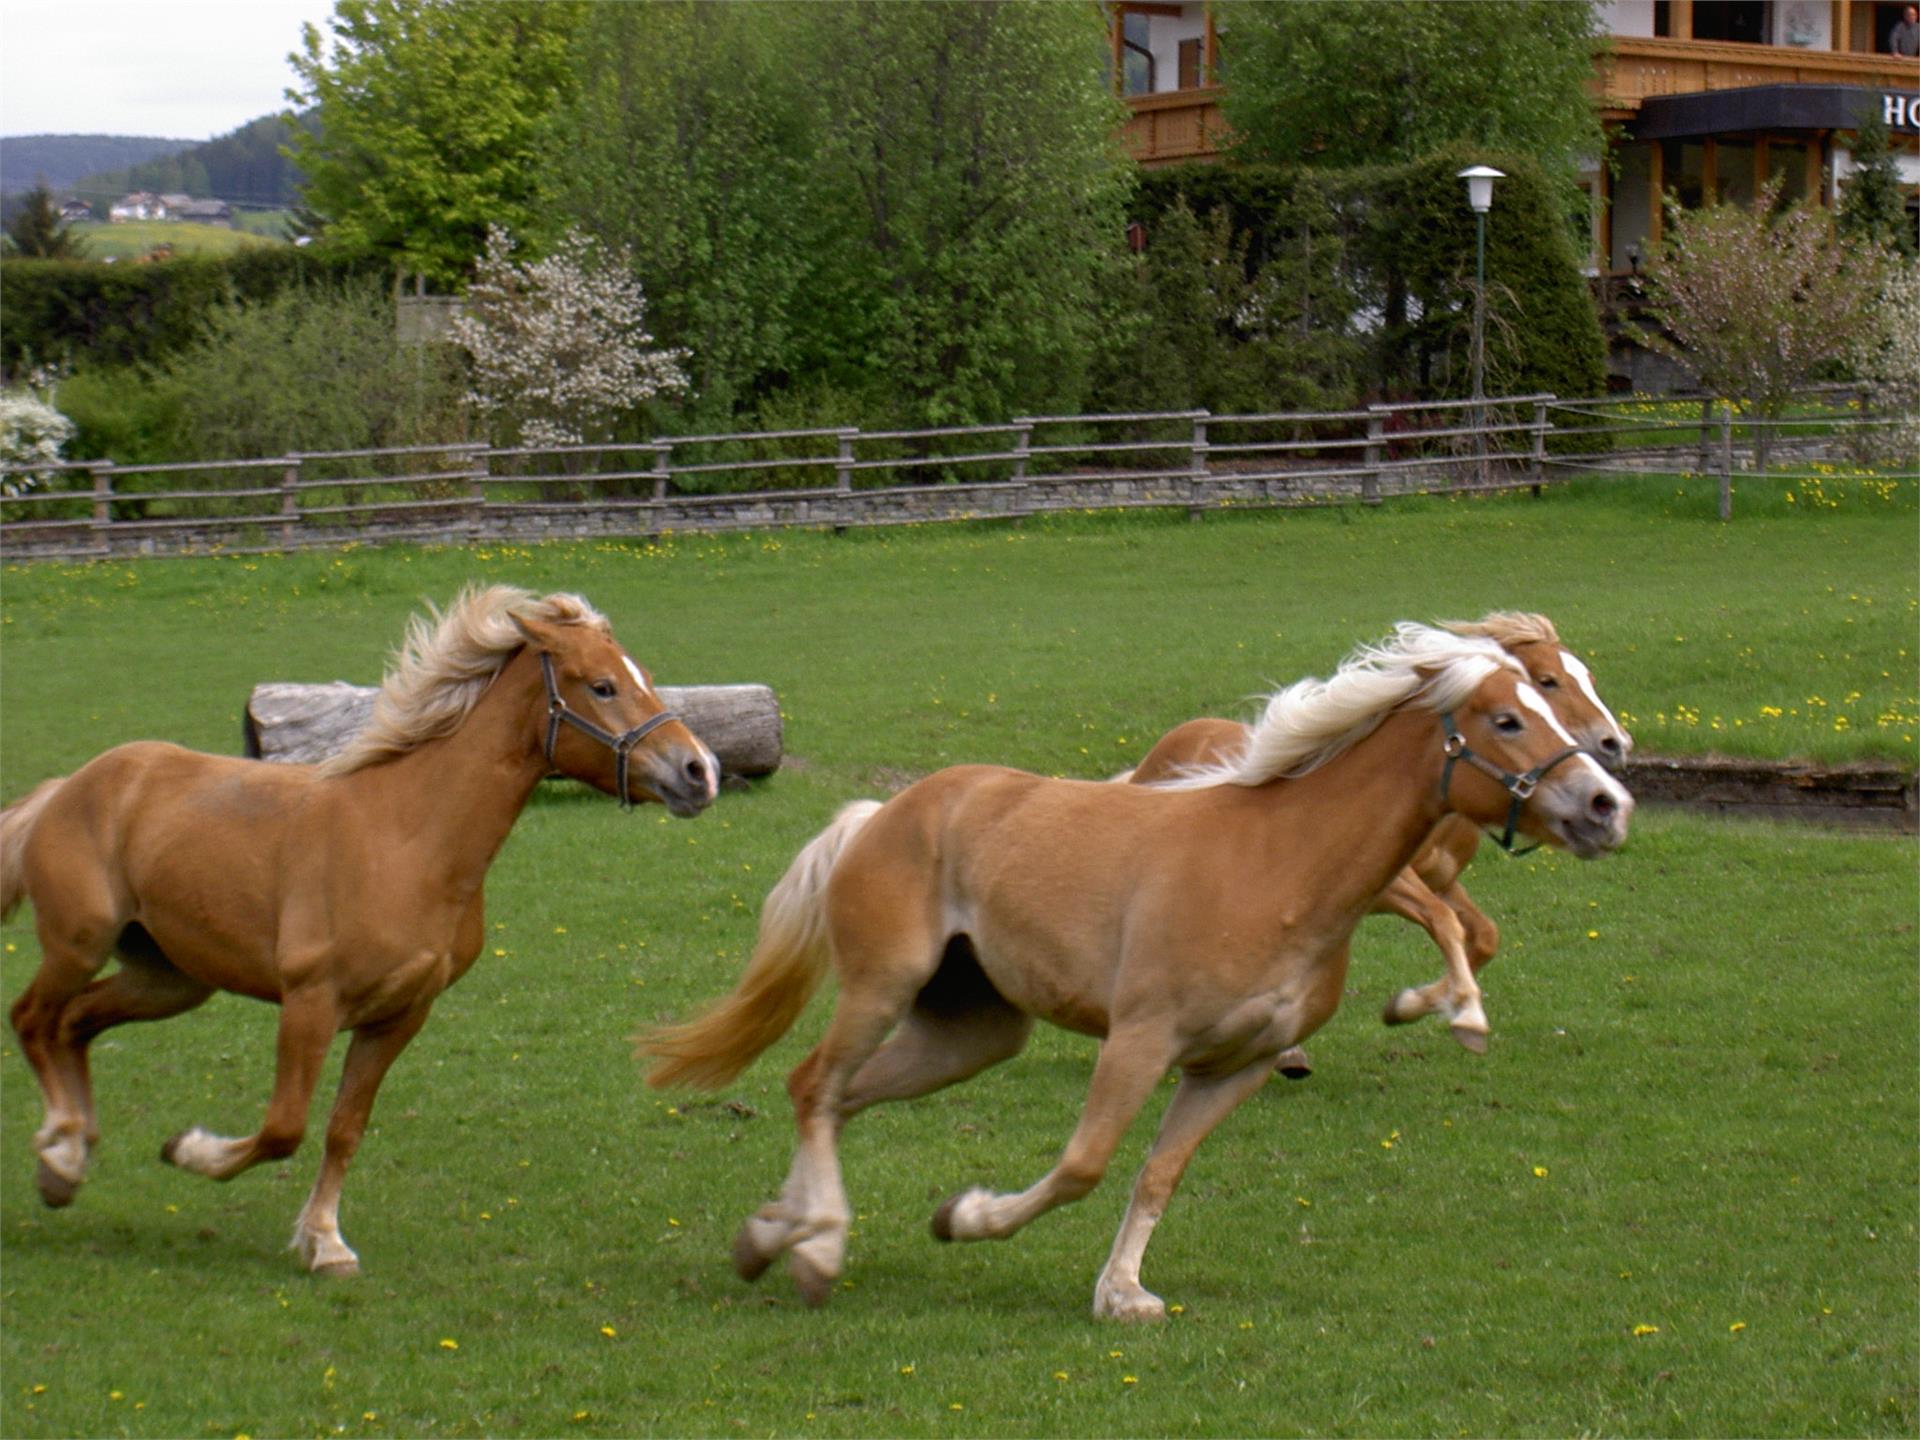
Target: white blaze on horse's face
[1586, 808]
[1583, 677]
[639, 675]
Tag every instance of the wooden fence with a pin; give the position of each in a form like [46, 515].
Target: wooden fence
[839, 477]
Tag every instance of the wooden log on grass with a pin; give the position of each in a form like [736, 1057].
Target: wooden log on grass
[303, 724]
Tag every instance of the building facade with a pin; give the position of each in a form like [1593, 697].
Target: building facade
[1706, 99]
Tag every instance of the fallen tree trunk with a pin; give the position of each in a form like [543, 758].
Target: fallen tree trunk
[303, 724]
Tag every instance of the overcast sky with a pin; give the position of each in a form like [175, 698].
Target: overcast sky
[189, 69]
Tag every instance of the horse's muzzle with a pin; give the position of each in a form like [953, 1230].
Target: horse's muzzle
[684, 778]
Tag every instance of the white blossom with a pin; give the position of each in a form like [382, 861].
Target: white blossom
[1886, 360]
[32, 433]
[560, 346]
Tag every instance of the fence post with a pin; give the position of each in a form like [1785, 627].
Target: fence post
[1376, 434]
[1022, 497]
[1197, 465]
[1726, 460]
[289, 501]
[1706, 435]
[843, 476]
[1539, 445]
[662, 468]
[103, 504]
[477, 472]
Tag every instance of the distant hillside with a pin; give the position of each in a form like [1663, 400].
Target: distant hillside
[244, 168]
[63, 159]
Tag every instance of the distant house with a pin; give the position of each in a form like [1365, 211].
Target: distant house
[73, 210]
[172, 203]
[201, 212]
[140, 205]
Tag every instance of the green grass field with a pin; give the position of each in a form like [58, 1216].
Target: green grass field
[1676, 1198]
[131, 239]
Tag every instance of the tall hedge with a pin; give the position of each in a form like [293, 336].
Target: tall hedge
[90, 314]
[1402, 239]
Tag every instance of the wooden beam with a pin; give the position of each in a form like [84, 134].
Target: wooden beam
[1680, 17]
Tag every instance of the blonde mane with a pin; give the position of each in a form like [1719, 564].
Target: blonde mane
[445, 664]
[1311, 721]
[1508, 628]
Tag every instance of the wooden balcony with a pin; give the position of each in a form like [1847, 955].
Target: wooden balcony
[1175, 125]
[1638, 68]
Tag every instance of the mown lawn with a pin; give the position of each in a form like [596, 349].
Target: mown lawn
[1676, 1198]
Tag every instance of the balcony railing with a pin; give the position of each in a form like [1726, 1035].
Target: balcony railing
[1175, 125]
[1640, 67]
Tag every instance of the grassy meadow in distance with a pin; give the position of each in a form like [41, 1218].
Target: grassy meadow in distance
[1675, 1198]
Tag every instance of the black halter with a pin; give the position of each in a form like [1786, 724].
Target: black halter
[1520, 787]
[621, 745]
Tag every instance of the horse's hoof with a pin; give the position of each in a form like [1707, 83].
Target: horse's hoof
[813, 1283]
[1474, 1040]
[1295, 1065]
[942, 1223]
[55, 1189]
[1393, 1015]
[338, 1269]
[169, 1146]
[748, 1262]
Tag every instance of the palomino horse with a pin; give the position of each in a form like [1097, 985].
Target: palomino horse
[1203, 927]
[1428, 891]
[349, 893]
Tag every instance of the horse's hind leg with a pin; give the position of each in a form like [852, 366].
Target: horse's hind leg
[316, 1234]
[1201, 1102]
[1131, 1063]
[145, 987]
[307, 1026]
[71, 954]
[959, 1026]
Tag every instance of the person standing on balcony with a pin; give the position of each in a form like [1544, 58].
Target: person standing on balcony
[1904, 39]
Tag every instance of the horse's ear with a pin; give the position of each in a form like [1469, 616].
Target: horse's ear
[536, 633]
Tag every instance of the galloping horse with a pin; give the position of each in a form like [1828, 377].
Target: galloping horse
[1203, 926]
[348, 893]
[1428, 891]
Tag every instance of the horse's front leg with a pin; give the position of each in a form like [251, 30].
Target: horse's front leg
[1201, 1103]
[316, 1234]
[308, 1022]
[1457, 995]
[1131, 1063]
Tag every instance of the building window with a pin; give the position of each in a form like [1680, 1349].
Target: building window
[1743, 22]
[1135, 55]
[1787, 163]
[1733, 162]
[1683, 171]
[1192, 64]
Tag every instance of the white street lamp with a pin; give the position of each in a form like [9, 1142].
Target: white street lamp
[1480, 180]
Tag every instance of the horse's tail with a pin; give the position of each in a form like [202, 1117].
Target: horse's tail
[16, 823]
[789, 958]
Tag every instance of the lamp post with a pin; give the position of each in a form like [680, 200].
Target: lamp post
[1480, 180]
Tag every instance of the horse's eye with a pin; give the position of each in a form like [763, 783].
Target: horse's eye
[604, 689]
[1508, 724]
[1546, 682]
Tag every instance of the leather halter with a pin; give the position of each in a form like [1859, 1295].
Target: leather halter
[621, 745]
[1520, 787]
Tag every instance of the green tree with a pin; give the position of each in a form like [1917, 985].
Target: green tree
[436, 121]
[967, 212]
[1343, 83]
[690, 138]
[1873, 206]
[38, 231]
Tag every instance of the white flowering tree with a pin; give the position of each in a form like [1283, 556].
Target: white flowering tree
[559, 347]
[32, 434]
[1886, 360]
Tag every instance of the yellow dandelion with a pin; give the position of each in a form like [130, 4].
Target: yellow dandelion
[608, 1331]
[1129, 1379]
[1059, 1374]
[906, 1369]
[1640, 1330]
[449, 1344]
[1736, 1327]
[1540, 1172]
